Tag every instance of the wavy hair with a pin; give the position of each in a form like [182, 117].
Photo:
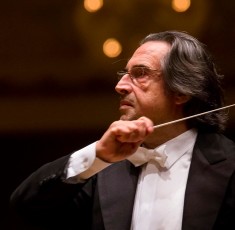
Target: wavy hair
[189, 70]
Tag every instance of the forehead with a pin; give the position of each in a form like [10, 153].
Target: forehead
[149, 54]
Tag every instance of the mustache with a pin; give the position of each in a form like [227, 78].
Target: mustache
[125, 98]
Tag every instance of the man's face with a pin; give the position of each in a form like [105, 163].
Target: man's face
[146, 96]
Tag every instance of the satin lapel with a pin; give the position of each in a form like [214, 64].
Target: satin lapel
[209, 174]
[117, 187]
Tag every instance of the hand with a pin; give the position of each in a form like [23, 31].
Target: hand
[122, 139]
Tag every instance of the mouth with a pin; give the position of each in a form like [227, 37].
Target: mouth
[125, 104]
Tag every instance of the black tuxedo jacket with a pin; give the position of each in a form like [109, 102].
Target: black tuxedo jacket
[106, 200]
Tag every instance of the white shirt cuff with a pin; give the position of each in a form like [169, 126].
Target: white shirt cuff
[84, 164]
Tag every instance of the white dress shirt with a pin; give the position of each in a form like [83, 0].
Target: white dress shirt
[160, 192]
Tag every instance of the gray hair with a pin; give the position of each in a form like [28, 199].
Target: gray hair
[188, 70]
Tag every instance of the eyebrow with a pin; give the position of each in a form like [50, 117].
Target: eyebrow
[140, 65]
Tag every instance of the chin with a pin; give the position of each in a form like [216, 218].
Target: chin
[128, 117]
[124, 118]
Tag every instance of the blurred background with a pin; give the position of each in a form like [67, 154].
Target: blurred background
[58, 63]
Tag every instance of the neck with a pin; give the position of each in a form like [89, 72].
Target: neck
[164, 134]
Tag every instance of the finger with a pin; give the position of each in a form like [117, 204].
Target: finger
[132, 131]
[147, 121]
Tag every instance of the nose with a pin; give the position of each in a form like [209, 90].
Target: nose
[124, 85]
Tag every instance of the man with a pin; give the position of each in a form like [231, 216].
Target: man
[179, 176]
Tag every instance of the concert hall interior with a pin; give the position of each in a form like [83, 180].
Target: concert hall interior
[58, 64]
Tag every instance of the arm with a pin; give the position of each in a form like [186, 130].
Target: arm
[48, 198]
[45, 199]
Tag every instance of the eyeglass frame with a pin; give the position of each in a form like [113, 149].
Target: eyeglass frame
[121, 73]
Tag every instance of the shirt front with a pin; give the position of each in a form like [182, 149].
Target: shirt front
[160, 193]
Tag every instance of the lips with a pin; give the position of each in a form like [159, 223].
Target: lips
[125, 103]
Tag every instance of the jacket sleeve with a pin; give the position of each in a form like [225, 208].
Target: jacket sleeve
[44, 199]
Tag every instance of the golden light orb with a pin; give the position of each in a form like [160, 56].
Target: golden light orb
[180, 5]
[93, 5]
[112, 47]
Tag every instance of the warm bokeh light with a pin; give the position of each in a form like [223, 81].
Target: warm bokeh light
[112, 48]
[93, 5]
[180, 5]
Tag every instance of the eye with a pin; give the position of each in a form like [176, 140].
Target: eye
[137, 72]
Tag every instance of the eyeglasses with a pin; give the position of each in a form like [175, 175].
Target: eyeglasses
[138, 73]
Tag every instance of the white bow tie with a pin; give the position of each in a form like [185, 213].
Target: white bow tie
[143, 155]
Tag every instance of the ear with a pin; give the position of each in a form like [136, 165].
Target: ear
[181, 98]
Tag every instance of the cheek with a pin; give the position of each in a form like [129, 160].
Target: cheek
[151, 96]
[156, 101]
[148, 102]
[155, 94]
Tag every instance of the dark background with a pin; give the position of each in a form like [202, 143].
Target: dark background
[57, 86]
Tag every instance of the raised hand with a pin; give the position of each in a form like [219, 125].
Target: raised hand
[123, 138]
